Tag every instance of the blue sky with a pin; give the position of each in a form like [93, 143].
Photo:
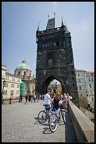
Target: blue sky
[20, 22]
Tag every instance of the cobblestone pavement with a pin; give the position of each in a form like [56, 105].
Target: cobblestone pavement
[19, 124]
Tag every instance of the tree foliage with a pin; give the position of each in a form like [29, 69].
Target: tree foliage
[83, 101]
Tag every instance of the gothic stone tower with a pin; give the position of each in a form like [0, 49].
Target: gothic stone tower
[55, 59]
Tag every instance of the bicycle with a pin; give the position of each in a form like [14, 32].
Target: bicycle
[47, 114]
[51, 116]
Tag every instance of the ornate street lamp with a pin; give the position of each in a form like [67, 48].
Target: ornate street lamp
[4, 83]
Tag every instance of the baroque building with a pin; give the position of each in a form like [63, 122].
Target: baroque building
[11, 82]
[24, 72]
[55, 59]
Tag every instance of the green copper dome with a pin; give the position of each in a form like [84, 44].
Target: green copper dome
[23, 66]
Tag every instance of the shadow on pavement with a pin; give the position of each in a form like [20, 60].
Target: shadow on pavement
[46, 129]
[69, 130]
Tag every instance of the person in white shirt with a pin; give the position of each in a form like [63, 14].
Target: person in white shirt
[47, 100]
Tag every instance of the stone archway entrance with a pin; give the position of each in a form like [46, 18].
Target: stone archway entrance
[46, 80]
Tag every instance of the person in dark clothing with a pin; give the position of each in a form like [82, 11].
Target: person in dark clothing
[20, 99]
[27, 97]
[56, 105]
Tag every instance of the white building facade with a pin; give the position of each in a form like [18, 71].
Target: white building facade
[90, 88]
[85, 85]
[12, 84]
[81, 82]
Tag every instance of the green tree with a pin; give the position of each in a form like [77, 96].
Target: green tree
[83, 101]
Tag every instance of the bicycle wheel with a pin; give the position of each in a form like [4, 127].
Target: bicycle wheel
[52, 122]
[42, 117]
[63, 116]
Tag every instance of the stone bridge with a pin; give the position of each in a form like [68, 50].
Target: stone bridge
[19, 124]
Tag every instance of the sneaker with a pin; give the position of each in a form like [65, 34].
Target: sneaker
[52, 124]
[58, 119]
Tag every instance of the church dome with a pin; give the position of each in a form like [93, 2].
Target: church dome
[23, 66]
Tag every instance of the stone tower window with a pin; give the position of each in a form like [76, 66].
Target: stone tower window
[50, 59]
[50, 62]
[57, 43]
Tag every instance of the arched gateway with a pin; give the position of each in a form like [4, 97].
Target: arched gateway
[55, 59]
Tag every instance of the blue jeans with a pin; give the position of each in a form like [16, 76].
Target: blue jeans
[47, 107]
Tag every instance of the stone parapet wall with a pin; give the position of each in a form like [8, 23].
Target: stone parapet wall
[83, 126]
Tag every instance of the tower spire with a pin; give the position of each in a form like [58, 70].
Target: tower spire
[62, 25]
[54, 14]
[38, 27]
[62, 21]
[66, 29]
[48, 16]
[65, 23]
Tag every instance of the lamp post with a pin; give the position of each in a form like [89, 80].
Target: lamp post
[4, 83]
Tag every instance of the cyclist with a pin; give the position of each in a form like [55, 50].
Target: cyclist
[56, 105]
[47, 100]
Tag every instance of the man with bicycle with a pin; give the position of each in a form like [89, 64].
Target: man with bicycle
[47, 100]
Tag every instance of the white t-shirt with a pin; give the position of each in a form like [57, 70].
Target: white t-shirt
[47, 99]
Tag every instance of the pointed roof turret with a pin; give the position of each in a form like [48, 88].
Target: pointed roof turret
[38, 27]
[66, 29]
[54, 14]
[62, 25]
[51, 24]
[48, 16]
